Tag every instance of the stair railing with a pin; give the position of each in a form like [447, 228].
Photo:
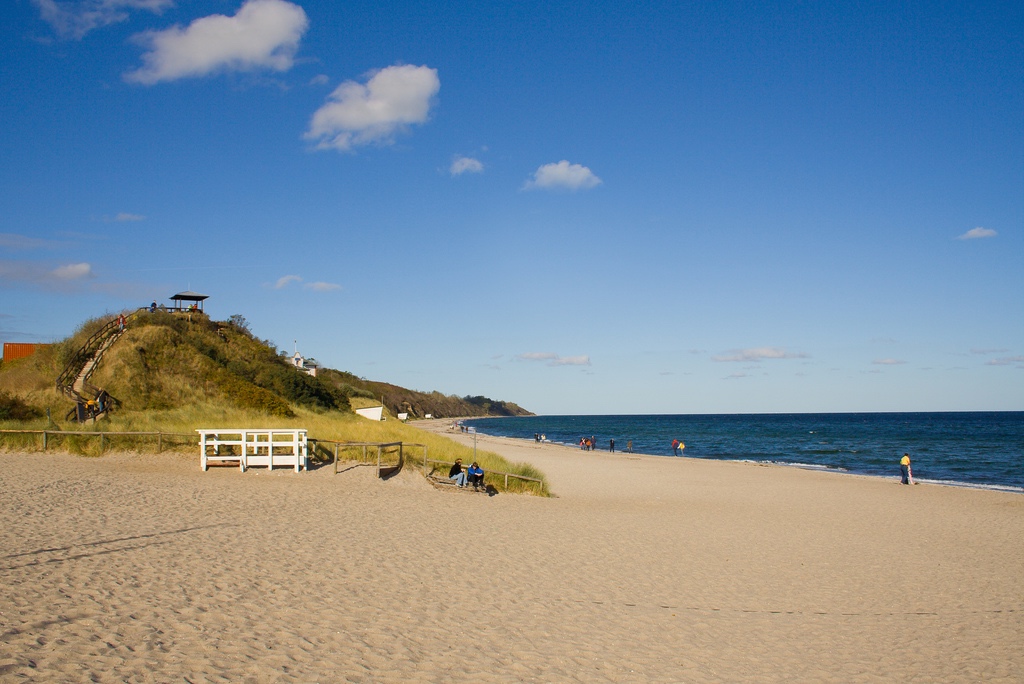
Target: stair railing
[67, 377]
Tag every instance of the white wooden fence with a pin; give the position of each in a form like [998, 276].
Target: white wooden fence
[254, 447]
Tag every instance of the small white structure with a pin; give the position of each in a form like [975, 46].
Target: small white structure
[268, 448]
[372, 413]
[429, 416]
[301, 363]
[403, 417]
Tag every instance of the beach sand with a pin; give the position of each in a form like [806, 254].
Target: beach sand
[142, 568]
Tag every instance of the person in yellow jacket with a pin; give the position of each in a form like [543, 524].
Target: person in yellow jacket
[908, 476]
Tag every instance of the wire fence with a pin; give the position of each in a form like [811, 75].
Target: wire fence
[106, 439]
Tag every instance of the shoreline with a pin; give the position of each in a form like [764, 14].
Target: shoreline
[803, 465]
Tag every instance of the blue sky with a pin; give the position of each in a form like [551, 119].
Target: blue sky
[617, 207]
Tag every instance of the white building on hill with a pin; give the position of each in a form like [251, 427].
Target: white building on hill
[307, 366]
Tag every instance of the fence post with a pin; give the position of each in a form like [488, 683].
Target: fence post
[44, 440]
[506, 481]
[378, 460]
[424, 460]
[101, 442]
[335, 458]
[159, 442]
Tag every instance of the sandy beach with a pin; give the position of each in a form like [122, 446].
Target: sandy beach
[142, 568]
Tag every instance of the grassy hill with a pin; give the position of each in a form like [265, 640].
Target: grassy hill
[165, 361]
[172, 373]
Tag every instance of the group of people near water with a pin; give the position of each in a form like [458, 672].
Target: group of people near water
[590, 444]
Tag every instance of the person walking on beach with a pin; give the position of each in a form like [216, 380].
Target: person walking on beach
[677, 447]
[629, 447]
[456, 473]
[907, 476]
[611, 445]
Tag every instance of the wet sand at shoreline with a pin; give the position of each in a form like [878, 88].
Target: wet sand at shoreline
[641, 569]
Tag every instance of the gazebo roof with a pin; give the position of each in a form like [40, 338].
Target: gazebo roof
[190, 296]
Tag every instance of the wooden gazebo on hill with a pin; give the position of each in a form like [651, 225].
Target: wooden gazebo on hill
[195, 298]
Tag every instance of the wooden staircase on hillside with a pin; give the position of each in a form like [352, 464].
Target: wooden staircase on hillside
[90, 401]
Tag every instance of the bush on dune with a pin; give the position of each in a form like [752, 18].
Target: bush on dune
[13, 408]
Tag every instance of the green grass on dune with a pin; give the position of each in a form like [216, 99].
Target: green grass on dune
[173, 375]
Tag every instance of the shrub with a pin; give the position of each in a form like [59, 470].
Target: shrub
[14, 408]
[249, 396]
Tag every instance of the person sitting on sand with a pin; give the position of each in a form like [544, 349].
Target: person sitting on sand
[456, 473]
[476, 475]
[907, 477]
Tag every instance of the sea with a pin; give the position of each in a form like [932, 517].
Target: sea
[970, 449]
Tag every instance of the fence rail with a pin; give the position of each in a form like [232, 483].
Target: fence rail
[380, 446]
[337, 447]
[66, 379]
[46, 434]
[540, 483]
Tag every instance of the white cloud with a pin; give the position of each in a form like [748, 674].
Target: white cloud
[75, 19]
[463, 165]
[321, 286]
[72, 271]
[1006, 361]
[583, 360]
[262, 34]
[759, 354]
[989, 351]
[554, 359]
[318, 286]
[42, 275]
[537, 356]
[124, 216]
[358, 114]
[319, 79]
[888, 362]
[979, 232]
[563, 175]
[285, 281]
[15, 241]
